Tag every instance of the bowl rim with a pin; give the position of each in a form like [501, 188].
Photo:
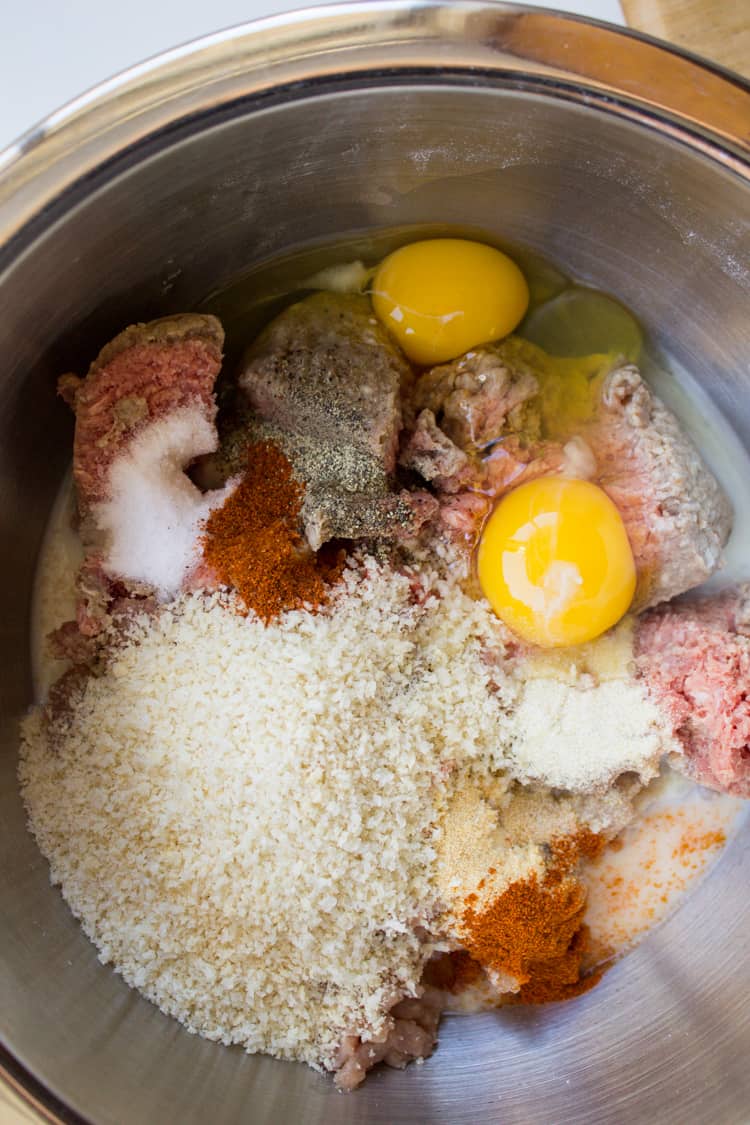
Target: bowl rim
[294, 55]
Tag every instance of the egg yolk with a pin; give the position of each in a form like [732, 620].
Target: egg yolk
[443, 296]
[555, 562]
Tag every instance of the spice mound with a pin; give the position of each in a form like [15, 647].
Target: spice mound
[533, 932]
[253, 545]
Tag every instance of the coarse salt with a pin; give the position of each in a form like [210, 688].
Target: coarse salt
[154, 513]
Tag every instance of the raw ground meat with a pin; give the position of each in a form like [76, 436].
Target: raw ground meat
[479, 397]
[325, 366]
[694, 657]
[413, 1035]
[397, 515]
[675, 512]
[454, 412]
[145, 373]
[148, 372]
[69, 643]
[324, 382]
[429, 451]
[509, 464]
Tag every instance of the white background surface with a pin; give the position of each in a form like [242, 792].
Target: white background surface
[53, 50]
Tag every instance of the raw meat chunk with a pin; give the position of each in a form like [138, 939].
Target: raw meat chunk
[430, 452]
[324, 367]
[357, 515]
[143, 375]
[412, 1035]
[479, 397]
[675, 512]
[149, 374]
[324, 382]
[694, 657]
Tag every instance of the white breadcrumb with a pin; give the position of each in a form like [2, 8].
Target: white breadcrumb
[245, 817]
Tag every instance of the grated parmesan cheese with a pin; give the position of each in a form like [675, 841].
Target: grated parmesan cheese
[581, 718]
[581, 737]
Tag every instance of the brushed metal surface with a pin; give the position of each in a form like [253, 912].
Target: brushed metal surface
[142, 198]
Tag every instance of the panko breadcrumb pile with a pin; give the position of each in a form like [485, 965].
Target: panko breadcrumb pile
[260, 827]
[245, 817]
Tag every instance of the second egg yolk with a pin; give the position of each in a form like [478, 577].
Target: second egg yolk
[555, 562]
[442, 296]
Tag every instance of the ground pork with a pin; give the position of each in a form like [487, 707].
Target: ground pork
[695, 660]
[675, 512]
[412, 1035]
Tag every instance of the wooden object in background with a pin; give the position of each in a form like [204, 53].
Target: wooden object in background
[717, 29]
[13, 1111]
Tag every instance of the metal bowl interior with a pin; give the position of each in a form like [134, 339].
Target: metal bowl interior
[146, 196]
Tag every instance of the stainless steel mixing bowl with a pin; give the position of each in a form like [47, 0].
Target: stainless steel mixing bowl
[624, 162]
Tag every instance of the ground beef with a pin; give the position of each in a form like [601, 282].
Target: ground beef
[324, 382]
[429, 451]
[479, 397]
[142, 376]
[145, 373]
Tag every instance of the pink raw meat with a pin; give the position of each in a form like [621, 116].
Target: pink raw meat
[148, 372]
[144, 374]
[694, 658]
